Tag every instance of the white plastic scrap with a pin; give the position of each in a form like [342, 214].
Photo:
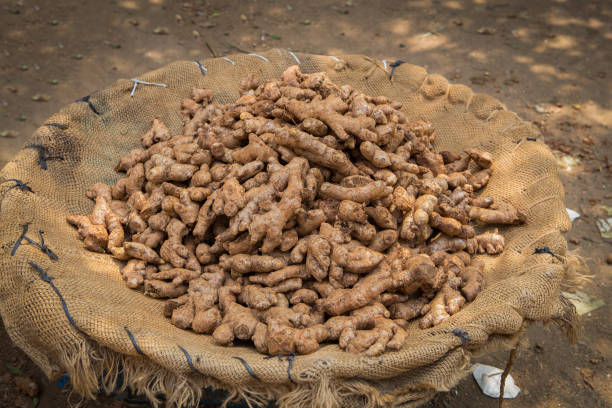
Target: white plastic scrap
[489, 381]
[572, 214]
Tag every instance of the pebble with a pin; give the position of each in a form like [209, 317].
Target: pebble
[609, 259]
[9, 133]
[160, 31]
[41, 98]
[574, 240]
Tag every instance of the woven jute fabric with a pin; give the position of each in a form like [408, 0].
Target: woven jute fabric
[75, 315]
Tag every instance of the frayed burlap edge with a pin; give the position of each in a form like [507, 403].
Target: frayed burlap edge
[94, 368]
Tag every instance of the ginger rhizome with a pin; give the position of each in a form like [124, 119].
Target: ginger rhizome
[303, 213]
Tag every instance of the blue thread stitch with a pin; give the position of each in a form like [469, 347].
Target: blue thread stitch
[91, 106]
[133, 340]
[203, 69]
[49, 279]
[247, 366]
[43, 155]
[394, 65]
[57, 125]
[20, 185]
[189, 360]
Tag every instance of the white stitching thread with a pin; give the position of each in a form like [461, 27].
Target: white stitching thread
[138, 81]
[259, 56]
[228, 60]
[294, 57]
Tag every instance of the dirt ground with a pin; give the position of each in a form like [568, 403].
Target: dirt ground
[547, 61]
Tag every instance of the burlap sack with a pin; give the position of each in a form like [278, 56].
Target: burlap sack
[75, 314]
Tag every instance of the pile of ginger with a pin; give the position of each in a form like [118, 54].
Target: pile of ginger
[304, 212]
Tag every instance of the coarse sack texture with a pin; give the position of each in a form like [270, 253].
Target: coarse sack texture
[75, 314]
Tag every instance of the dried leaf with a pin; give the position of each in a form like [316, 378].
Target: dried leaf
[13, 370]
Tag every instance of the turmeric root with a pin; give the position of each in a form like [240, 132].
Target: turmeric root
[447, 302]
[472, 280]
[303, 212]
[363, 194]
[95, 237]
[498, 213]
[490, 242]
[238, 322]
[386, 334]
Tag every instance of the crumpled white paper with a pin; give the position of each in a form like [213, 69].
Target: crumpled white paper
[572, 214]
[489, 381]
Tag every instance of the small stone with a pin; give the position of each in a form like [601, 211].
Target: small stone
[27, 385]
[41, 98]
[160, 31]
[22, 118]
[12, 89]
[402, 45]
[54, 81]
[196, 34]
[134, 22]
[54, 22]
[24, 67]
[609, 259]
[9, 134]
[112, 45]
[574, 240]
[486, 30]
[78, 57]
[596, 360]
